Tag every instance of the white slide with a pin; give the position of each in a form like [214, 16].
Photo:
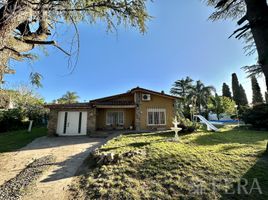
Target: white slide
[210, 126]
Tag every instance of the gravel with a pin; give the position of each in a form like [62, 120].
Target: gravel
[13, 189]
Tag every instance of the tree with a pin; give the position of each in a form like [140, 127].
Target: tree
[182, 88]
[4, 99]
[226, 91]
[243, 97]
[215, 105]
[236, 89]
[200, 95]
[197, 95]
[69, 97]
[25, 24]
[256, 92]
[27, 105]
[266, 97]
[257, 116]
[221, 104]
[28, 102]
[253, 15]
[239, 94]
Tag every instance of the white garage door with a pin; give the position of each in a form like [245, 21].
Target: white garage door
[72, 123]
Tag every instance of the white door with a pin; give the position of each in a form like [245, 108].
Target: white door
[72, 123]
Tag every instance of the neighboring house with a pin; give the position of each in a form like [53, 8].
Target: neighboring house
[139, 109]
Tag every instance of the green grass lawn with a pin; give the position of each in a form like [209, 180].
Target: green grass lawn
[14, 140]
[202, 165]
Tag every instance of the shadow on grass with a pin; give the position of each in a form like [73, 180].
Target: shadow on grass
[134, 145]
[139, 144]
[182, 176]
[239, 136]
[154, 134]
[253, 184]
[229, 148]
[169, 174]
[14, 140]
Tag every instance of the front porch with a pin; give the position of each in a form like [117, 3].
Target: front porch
[115, 117]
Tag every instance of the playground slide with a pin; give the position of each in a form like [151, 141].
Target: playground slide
[205, 121]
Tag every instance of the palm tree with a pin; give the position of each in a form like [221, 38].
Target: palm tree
[182, 88]
[199, 95]
[69, 97]
[216, 105]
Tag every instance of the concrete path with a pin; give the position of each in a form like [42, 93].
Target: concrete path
[69, 153]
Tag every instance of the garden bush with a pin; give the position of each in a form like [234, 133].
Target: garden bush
[28, 105]
[257, 116]
[17, 119]
[187, 126]
[12, 120]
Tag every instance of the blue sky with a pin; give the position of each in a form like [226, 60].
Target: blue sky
[180, 42]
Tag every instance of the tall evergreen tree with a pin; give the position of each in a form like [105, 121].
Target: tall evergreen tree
[236, 89]
[243, 96]
[266, 97]
[226, 91]
[256, 92]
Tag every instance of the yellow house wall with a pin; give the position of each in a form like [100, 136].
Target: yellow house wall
[157, 102]
[129, 117]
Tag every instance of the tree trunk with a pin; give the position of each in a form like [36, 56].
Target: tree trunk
[13, 46]
[257, 15]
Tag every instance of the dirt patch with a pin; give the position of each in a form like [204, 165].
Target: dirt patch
[54, 183]
[69, 154]
[13, 189]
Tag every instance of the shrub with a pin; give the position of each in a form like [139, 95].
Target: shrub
[11, 120]
[186, 125]
[257, 116]
[37, 113]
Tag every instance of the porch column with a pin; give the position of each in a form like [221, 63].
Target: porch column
[137, 99]
[92, 120]
[52, 122]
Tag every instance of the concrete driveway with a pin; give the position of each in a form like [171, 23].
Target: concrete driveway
[69, 153]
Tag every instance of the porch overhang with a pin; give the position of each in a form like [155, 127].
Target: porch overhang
[116, 106]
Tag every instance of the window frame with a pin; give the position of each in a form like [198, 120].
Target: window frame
[117, 123]
[159, 111]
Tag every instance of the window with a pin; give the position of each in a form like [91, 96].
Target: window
[115, 118]
[156, 116]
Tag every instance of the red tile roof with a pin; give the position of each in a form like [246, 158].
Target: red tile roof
[104, 101]
[72, 105]
[137, 89]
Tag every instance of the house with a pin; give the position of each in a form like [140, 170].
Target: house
[138, 109]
